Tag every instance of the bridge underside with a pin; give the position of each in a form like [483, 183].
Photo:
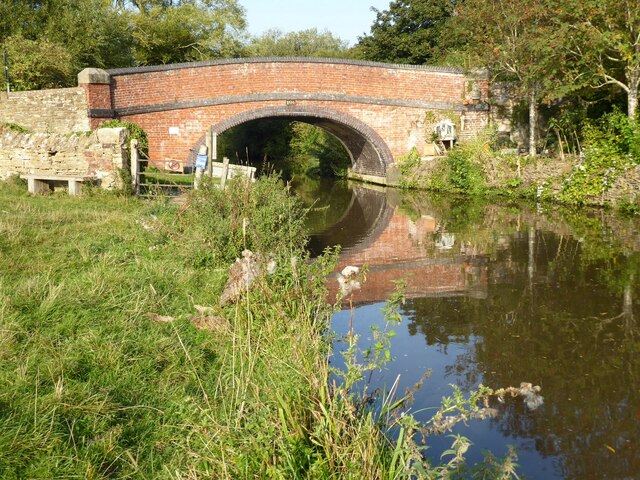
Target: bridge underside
[370, 155]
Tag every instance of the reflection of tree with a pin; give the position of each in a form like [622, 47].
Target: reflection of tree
[566, 323]
[558, 312]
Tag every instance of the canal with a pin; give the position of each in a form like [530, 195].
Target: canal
[499, 294]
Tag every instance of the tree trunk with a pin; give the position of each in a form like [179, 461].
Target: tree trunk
[533, 122]
[632, 101]
[633, 77]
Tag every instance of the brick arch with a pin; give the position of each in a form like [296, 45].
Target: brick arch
[368, 151]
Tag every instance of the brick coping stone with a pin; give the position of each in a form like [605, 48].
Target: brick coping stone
[236, 61]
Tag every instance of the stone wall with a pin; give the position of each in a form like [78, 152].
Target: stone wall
[100, 154]
[62, 110]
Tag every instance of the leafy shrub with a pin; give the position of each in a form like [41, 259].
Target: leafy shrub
[611, 145]
[465, 174]
[408, 165]
[629, 207]
[135, 131]
[41, 63]
[262, 217]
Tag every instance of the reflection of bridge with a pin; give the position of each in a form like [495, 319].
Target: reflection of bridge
[363, 221]
[397, 247]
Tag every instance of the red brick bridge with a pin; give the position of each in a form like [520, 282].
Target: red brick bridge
[378, 111]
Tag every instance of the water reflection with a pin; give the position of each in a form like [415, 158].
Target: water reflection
[504, 294]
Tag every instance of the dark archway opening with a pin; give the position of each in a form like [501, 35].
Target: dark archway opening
[291, 147]
[369, 154]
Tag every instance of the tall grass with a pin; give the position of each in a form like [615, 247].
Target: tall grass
[117, 360]
[93, 386]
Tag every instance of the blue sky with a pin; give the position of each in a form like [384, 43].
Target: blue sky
[346, 19]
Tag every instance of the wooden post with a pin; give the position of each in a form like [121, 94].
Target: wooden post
[225, 172]
[212, 139]
[135, 166]
[199, 171]
[207, 142]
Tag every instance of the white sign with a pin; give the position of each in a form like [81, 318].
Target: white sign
[201, 161]
[174, 131]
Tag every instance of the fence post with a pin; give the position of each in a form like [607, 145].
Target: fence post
[225, 172]
[207, 142]
[212, 138]
[135, 166]
[202, 153]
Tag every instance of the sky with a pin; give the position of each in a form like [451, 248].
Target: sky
[346, 19]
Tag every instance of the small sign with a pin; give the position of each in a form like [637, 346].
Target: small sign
[172, 165]
[174, 131]
[290, 102]
[201, 161]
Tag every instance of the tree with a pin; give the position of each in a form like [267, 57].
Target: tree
[49, 42]
[94, 32]
[36, 64]
[409, 31]
[513, 40]
[602, 38]
[171, 31]
[305, 43]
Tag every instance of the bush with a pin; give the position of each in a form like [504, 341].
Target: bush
[611, 146]
[262, 217]
[135, 131]
[465, 174]
[37, 64]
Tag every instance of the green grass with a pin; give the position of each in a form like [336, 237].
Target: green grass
[93, 386]
[165, 178]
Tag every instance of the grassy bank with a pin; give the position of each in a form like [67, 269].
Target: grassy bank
[604, 170]
[117, 359]
[108, 370]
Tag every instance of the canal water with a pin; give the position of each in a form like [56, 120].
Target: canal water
[500, 294]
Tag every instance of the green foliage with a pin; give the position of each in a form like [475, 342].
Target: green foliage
[262, 217]
[461, 170]
[135, 131]
[465, 174]
[618, 129]
[319, 147]
[292, 148]
[409, 31]
[305, 43]
[566, 124]
[50, 42]
[408, 165]
[629, 207]
[14, 127]
[92, 376]
[599, 40]
[611, 146]
[36, 64]
[186, 30]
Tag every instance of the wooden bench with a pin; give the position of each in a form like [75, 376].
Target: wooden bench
[41, 183]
